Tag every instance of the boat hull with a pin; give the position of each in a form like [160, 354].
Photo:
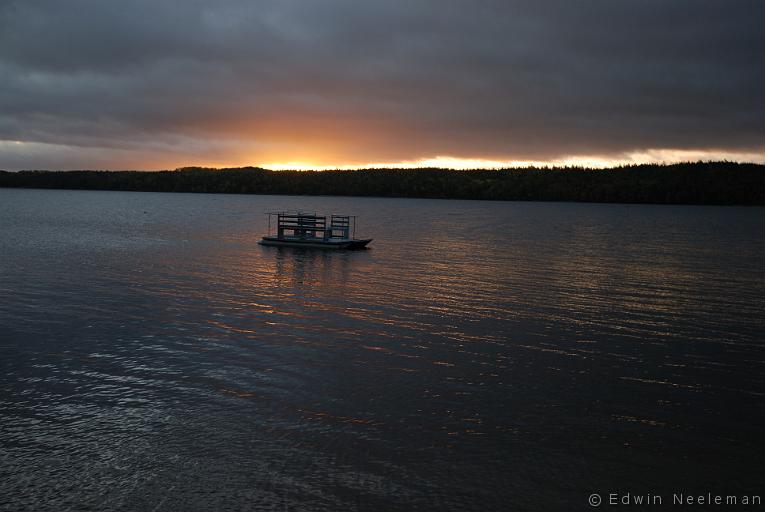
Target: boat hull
[350, 245]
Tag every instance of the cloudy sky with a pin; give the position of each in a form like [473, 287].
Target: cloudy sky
[152, 84]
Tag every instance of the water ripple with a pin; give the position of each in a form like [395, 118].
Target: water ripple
[487, 356]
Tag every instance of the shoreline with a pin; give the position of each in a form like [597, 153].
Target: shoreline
[704, 183]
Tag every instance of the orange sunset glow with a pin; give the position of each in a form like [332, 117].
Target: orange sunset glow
[288, 86]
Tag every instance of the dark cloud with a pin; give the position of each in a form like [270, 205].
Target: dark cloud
[164, 83]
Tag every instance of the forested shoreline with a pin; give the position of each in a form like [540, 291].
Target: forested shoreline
[686, 183]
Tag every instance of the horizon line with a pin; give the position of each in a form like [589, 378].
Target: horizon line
[403, 167]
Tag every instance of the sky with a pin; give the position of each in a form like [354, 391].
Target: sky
[161, 84]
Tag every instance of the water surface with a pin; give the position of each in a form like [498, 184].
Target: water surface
[481, 356]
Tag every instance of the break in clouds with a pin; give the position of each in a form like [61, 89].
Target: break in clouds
[160, 84]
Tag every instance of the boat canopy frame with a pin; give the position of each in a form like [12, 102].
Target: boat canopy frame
[310, 226]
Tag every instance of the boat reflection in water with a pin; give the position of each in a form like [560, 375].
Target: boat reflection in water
[311, 230]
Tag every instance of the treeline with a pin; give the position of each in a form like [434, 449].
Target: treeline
[687, 183]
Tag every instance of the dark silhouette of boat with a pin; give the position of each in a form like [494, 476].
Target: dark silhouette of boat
[314, 231]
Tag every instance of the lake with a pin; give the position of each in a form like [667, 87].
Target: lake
[480, 356]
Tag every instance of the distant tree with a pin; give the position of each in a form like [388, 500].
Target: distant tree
[693, 182]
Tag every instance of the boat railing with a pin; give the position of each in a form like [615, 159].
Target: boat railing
[311, 226]
[340, 224]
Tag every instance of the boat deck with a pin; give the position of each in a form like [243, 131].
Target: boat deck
[318, 243]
